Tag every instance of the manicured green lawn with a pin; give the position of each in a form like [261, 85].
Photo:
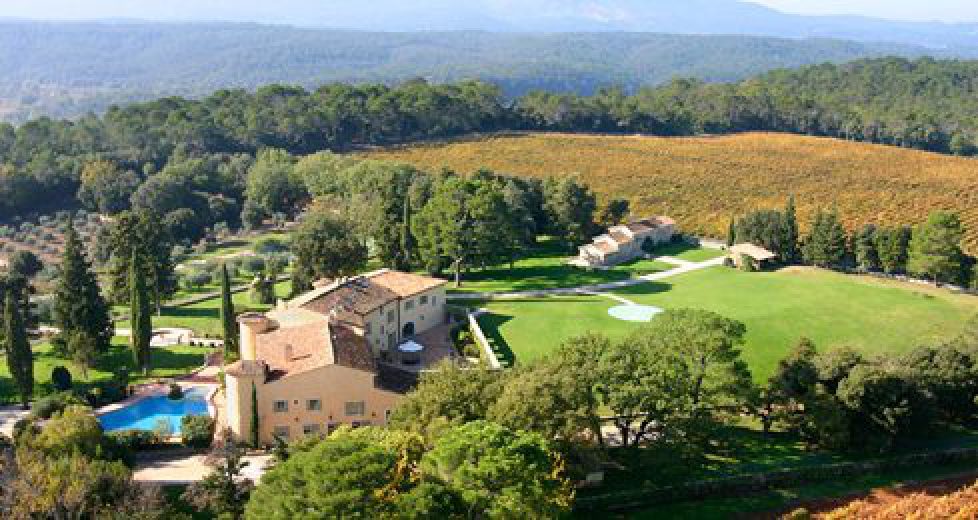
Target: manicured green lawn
[166, 362]
[870, 315]
[688, 252]
[547, 268]
[204, 317]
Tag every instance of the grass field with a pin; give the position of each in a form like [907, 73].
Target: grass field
[870, 315]
[703, 181]
[166, 362]
[546, 268]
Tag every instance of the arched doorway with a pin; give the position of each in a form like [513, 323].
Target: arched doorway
[408, 330]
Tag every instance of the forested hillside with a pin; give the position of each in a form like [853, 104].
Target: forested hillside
[923, 104]
[67, 69]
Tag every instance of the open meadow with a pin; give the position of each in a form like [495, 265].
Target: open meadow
[870, 315]
[704, 181]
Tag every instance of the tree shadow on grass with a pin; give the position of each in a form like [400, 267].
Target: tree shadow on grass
[490, 324]
[190, 312]
[644, 289]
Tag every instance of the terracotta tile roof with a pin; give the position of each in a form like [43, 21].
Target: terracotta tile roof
[293, 350]
[352, 299]
[243, 368]
[648, 224]
[605, 247]
[404, 284]
[620, 237]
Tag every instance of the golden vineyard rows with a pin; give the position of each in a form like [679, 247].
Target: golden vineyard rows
[703, 181]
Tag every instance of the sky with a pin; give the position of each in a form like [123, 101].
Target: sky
[926, 10]
[285, 10]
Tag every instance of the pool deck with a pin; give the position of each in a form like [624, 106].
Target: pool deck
[180, 468]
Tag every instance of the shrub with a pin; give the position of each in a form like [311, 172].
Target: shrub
[61, 378]
[46, 407]
[134, 440]
[176, 393]
[197, 431]
[269, 245]
[195, 279]
[253, 264]
[25, 426]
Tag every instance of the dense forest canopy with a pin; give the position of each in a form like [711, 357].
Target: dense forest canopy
[925, 104]
[68, 69]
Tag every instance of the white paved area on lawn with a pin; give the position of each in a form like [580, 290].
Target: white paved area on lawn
[685, 267]
[185, 469]
[10, 415]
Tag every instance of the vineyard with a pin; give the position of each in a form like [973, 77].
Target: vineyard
[885, 505]
[703, 181]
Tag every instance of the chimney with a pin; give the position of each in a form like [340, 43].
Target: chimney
[251, 325]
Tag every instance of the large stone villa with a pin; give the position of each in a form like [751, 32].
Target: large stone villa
[343, 353]
[624, 243]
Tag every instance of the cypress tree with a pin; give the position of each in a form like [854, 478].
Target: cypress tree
[139, 314]
[78, 303]
[20, 361]
[789, 239]
[731, 233]
[227, 318]
[407, 240]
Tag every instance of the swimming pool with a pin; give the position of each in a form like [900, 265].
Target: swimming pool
[150, 412]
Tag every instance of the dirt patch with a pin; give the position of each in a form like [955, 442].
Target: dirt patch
[880, 496]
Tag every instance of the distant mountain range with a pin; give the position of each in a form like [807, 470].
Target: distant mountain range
[67, 69]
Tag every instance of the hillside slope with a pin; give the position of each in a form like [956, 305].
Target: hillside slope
[67, 69]
[703, 181]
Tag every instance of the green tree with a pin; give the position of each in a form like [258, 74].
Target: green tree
[884, 407]
[449, 395]
[139, 315]
[935, 249]
[865, 247]
[789, 230]
[20, 359]
[272, 184]
[255, 424]
[825, 245]
[556, 397]
[892, 245]
[570, 206]
[224, 492]
[141, 232]
[84, 350]
[106, 188]
[732, 233]
[950, 374]
[24, 263]
[325, 246]
[613, 213]
[230, 325]
[79, 308]
[499, 472]
[344, 476]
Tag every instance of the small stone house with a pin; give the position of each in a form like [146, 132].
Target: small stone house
[624, 243]
[758, 257]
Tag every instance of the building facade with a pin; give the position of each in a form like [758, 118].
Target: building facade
[625, 243]
[325, 358]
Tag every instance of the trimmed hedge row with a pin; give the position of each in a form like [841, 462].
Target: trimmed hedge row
[752, 483]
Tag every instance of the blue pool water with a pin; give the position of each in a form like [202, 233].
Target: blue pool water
[148, 413]
[637, 313]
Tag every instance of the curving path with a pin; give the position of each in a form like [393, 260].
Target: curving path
[682, 267]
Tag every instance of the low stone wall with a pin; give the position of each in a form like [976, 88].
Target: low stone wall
[483, 342]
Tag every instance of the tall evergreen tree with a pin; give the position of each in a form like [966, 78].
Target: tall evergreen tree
[935, 249]
[141, 231]
[825, 245]
[789, 241]
[864, 246]
[732, 233]
[78, 303]
[892, 246]
[407, 239]
[228, 318]
[255, 435]
[139, 314]
[20, 361]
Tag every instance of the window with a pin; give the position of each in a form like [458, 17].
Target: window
[390, 316]
[424, 300]
[387, 416]
[282, 432]
[281, 406]
[367, 329]
[310, 429]
[355, 408]
[358, 424]
[408, 304]
[314, 405]
[422, 317]
[432, 301]
[331, 427]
